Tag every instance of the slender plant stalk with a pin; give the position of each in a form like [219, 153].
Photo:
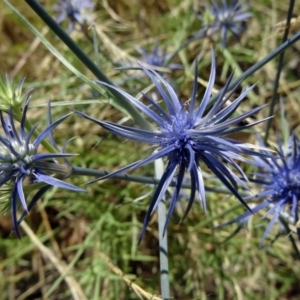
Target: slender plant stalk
[163, 252]
[163, 239]
[83, 57]
[280, 65]
[78, 171]
[259, 64]
[92, 40]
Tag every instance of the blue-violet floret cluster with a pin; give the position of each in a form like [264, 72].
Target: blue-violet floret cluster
[188, 135]
[280, 184]
[230, 16]
[20, 161]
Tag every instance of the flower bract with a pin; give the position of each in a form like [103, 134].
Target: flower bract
[22, 165]
[230, 16]
[187, 136]
[279, 181]
[11, 95]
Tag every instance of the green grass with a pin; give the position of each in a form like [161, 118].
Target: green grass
[92, 238]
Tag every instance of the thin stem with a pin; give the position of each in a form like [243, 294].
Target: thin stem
[163, 239]
[78, 171]
[84, 30]
[280, 65]
[83, 57]
[163, 252]
[259, 64]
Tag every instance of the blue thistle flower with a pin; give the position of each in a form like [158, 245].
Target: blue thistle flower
[72, 10]
[157, 57]
[228, 17]
[280, 181]
[20, 164]
[187, 136]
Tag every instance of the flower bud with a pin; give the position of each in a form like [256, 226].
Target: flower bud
[11, 94]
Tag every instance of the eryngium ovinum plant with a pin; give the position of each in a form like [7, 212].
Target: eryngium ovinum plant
[223, 17]
[73, 10]
[22, 167]
[157, 57]
[187, 136]
[279, 182]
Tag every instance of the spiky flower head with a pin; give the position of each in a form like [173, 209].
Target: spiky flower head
[230, 16]
[187, 135]
[22, 165]
[157, 57]
[280, 185]
[73, 10]
[11, 94]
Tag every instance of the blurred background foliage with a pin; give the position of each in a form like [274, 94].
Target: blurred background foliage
[85, 245]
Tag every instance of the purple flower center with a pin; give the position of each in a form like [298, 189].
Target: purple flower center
[288, 185]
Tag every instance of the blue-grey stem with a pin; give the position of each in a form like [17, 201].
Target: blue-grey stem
[78, 171]
[280, 65]
[163, 239]
[163, 252]
[83, 57]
